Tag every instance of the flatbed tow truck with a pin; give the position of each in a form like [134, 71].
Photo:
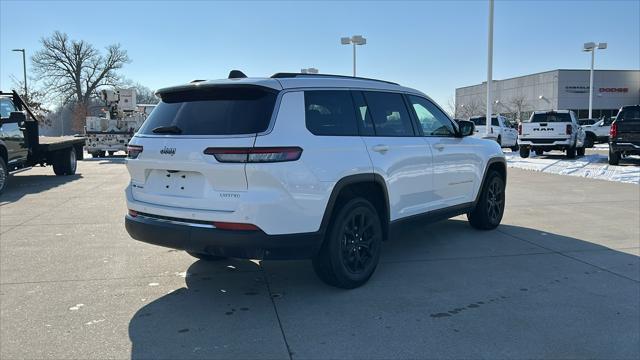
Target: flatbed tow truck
[21, 145]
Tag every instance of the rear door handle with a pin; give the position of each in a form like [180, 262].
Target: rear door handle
[439, 146]
[380, 148]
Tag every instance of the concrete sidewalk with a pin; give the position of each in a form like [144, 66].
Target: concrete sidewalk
[560, 278]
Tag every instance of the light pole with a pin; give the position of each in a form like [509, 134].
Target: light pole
[591, 47]
[489, 71]
[24, 70]
[354, 40]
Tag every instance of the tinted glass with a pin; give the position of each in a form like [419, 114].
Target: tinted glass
[213, 111]
[481, 121]
[6, 107]
[330, 113]
[363, 115]
[550, 117]
[433, 121]
[630, 114]
[389, 114]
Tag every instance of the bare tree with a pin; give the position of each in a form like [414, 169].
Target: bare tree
[451, 107]
[519, 104]
[473, 108]
[73, 70]
[36, 100]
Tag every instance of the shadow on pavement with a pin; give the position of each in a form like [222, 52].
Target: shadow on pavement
[443, 289]
[19, 186]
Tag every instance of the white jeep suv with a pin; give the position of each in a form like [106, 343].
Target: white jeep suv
[304, 166]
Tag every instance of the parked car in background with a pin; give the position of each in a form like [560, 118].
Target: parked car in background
[502, 130]
[583, 122]
[624, 136]
[597, 132]
[551, 130]
[304, 166]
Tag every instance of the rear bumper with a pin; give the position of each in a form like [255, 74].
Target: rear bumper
[550, 143]
[628, 147]
[229, 243]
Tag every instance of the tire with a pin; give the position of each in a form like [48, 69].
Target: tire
[206, 257]
[351, 249]
[571, 153]
[539, 152]
[4, 175]
[489, 210]
[515, 147]
[65, 162]
[589, 140]
[580, 151]
[524, 152]
[614, 157]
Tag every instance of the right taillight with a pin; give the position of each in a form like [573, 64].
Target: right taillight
[133, 151]
[254, 155]
[613, 132]
[569, 129]
[520, 129]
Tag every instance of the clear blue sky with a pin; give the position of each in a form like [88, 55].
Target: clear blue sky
[434, 46]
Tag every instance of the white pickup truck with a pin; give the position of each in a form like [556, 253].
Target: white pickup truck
[501, 131]
[598, 132]
[551, 130]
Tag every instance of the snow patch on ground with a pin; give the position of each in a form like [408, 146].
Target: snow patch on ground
[593, 166]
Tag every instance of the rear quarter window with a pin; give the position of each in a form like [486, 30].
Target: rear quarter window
[213, 111]
[330, 113]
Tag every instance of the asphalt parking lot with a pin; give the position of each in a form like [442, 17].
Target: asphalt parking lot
[560, 278]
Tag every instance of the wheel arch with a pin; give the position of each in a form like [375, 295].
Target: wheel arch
[498, 164]
[369, 186]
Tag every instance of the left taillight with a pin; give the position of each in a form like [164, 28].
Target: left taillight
[255, 155]
[133, 151]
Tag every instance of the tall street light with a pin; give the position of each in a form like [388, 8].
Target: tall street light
[487, 127]
[354, 40]
[591, 47]
[24, 70]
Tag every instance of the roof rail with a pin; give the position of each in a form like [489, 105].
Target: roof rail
[285, 75]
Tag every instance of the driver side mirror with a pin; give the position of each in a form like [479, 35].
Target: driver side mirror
[466, 128]
[17, 117]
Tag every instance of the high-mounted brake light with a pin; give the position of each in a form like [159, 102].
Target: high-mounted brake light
[255, 155]
[569, 129]
[235, 226]
[613, 132]
[133, 151]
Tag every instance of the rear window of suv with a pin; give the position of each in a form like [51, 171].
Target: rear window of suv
[212, 111]
[629, 114]
[550, 117]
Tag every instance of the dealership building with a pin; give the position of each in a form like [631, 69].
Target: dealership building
[553, 90]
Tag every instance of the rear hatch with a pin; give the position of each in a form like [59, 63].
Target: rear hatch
[549, 125]
[628, 125]
[173, 169]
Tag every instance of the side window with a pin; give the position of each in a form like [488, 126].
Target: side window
[432, 120]
[363, 115]
[494, 122]
[389, 114]
[630, 115]
[6, 107]
[330, 113]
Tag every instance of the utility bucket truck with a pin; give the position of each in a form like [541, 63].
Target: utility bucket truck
[121, 118]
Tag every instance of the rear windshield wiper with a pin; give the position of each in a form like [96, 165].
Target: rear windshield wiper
[167, 130]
